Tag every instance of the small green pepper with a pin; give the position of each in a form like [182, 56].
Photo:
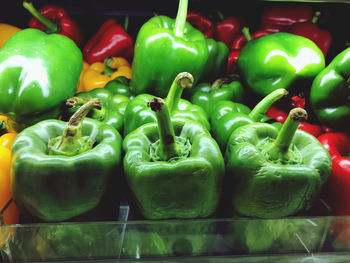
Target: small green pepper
[206, 94]
[38, 73]
[330, 93]
[274, 173]
[279, 60]
[137, 113]
[173, 168]
[63, 170]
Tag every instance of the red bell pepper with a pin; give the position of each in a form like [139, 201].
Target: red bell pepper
[237, 45]
[309, 29]
[228, 29]
[337, 189]
[202, 23]
[54, 19]
[281, 18]
[111, 40]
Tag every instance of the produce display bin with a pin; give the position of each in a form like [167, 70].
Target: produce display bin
[315, 236]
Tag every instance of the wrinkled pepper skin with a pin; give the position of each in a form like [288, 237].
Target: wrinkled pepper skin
[272, 176]
[330, 91]
[59, 187]
[174, 46]
[279, 60]
[187, 187]
[37, 73]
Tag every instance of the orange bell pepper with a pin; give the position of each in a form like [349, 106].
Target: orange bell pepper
[9, 213]
[6, 32]
[98, 74]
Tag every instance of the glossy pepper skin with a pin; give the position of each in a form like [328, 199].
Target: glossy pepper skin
[330, 91]
[54, 19]
[174, 46]
[201, 22]
[336, 190]
[112, 106]
[275, 172]
[228, 29]
[281, 18]
[38, 73]
[110, 40]
[227, 116]
[279, 61]
[138, 113]
[173, 168]
[310, 29]
[206, 94]
[75, 165]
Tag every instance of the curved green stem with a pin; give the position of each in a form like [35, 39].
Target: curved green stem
[218, 83]
[262, 107]
[316, 17]
[108, 62]
[72, 142]
[280, 147]
[181, 18]
[167, 147]
[50, 26]
[246, 33]
[183, 80]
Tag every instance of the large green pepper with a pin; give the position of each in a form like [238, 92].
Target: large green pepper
[173, 168]
[330, 92]
[137, 113]
[165, 46]
[112, 106]
[279, 60]
[272, 172]
[61, 170]
[227, 116]
[206, 94]
[37, 73]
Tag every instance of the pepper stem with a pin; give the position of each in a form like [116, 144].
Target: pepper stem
[183, 80]
[316, 17]
[262, 107]
[280, 147]
[181, 18]
[97, 113]
[218, 83]
[167, 147]
[108, 63]
[72, 142]
[50, 26]
[246, 33]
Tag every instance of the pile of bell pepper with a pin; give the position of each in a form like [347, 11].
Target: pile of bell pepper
[191, 118]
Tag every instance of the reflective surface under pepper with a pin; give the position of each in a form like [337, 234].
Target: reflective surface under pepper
[279, 60]
[173, 168]
[38, 73]
[330, 91]
[275, 172]
[62, 170]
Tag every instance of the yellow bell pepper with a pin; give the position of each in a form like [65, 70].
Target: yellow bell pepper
[9, 214]
[80, 86]
[6, 32]
[98, 74]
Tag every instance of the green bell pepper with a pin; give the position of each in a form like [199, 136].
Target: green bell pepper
[279, 60]
[275, 173]
[228, 116]
[38, 73]
[111, 111]
[173, 168]
[330, 92]
[165, 46]
[137, 113]
[121, 86]
[62, 170]
[206, 94]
